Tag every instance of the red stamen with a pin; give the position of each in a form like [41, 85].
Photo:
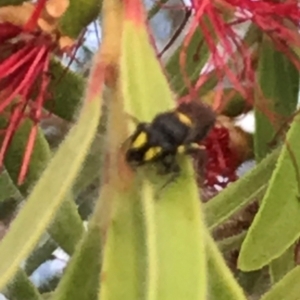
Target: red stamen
[13, 124]
[36, 116]
[26, 80]
[186, 42]
[16, 60]
[27, 154]
[234, 61]
[23, 76]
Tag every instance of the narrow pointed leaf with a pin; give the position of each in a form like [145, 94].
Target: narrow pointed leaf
[39, 255]
[15, 153]
[279, 80]
[92, 166]
[57, 180]
[287, 288]
[7, 187]
[238, 194]
[22, 288]
[144, 85]
[123, 271]
[280, 210]
[65, 235]
[85, 263]
[222, 284]
[193, 65]
[65, 102]
[180, 241]
[180, 256]
[281, 266]
[232, 242]
[122, 223]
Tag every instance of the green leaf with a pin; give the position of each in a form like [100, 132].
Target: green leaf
[60, 230]
[65, 101]
[288, 288]
[57, 180]
[123, 272]
[151, 93]
[240, 193]
[193, 65]
[40, 255]
[180, 238]
[121, 220]
[9, 207]
[276, 226]
[15, 153]
[279, 81]
[7, 187]
[281, 266]
[47, 296]
[222, 285]
[232, 242]
[92, 166]
[21, 288]
[85, 263]
[237, 104]
[254, 283]
[146, 93]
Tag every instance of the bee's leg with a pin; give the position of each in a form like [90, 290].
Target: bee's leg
[191, 148]
[199, 154]
[170, 166]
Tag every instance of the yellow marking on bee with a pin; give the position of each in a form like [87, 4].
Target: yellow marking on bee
[140, 140]
[181, 149]
[151, 153]
[184, 119]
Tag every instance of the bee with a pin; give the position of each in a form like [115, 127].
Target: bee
[170, 133]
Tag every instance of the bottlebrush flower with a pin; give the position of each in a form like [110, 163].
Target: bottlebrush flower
[222, 163]
[231, 53]
[227, 146]
[25, 52]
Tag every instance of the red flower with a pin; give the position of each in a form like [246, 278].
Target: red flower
[221, 161]
[25, 53]
[231, 56]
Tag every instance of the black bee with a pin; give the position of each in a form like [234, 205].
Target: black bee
[178, 131]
